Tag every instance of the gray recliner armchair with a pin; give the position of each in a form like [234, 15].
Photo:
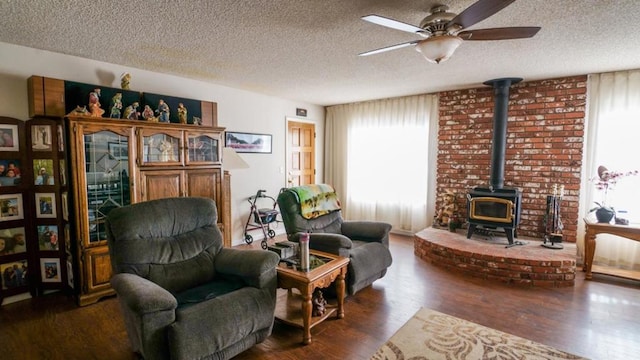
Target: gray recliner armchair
[183, 295]
[365, 243]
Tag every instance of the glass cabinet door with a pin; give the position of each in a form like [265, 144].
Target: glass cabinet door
[203, 148]
[161, 148]
[107, 178]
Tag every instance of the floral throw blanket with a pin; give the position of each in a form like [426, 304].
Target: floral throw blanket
[316, 200]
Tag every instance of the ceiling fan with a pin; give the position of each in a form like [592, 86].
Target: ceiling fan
[442, 32]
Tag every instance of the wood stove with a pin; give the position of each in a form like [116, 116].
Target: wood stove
[496, 206]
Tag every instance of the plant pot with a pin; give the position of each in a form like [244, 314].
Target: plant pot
[604, 215]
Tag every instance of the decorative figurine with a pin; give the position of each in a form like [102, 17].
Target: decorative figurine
[166, 151]
[94, 103]
[319, 303]
[80, 110]
[131, 112]
[125, 79]
[182, 113]
[116, 106]
[147, 114]
[163, 112]
[197, 120]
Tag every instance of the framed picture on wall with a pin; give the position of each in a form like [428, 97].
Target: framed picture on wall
[43, 172]
[50, 270]
[70, 274]
[64, 199]
[41, 137]
[60, 139]
[9, 138]
[16, 274]
[12, 241]
[46, 205]
[11, 207]
[48, 237]
[10, 173]
[248, 142]
[63, 173]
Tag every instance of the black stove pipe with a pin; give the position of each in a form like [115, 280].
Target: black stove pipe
[500, 110]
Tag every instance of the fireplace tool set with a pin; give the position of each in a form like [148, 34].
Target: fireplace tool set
[552, 221]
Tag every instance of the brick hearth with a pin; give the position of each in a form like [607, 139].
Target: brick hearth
[486, 257]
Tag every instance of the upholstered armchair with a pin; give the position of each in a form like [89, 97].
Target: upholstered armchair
[365, 243]
[183, 295]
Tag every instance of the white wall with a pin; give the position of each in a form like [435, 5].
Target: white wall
[238, 110]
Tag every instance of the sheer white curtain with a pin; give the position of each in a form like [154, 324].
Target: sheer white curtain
[612, 140]
[380, 157]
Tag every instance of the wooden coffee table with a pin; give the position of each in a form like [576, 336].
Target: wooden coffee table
[295, 308]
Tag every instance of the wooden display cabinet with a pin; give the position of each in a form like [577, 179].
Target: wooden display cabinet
[168, 168]
[117, 163]
[101, 168]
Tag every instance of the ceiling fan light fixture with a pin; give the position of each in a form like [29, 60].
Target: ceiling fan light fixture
[439, 48]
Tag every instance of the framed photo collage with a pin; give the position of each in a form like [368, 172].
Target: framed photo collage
[34, 209]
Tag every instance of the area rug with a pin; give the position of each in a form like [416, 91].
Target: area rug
[432, 335]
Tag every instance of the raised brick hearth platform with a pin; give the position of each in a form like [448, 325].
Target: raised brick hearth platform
[486, 257]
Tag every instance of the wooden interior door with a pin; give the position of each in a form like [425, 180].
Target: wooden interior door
[301, 153]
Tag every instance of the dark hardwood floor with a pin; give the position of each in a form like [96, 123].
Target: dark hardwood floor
[598, 319]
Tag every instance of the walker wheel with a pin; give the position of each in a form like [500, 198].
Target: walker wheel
[263, 244]
[248, 239]
[272, 233]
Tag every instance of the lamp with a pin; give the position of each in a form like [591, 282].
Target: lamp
[231, 160]
[438, 48]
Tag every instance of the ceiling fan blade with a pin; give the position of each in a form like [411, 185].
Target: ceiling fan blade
[393, 24]
[479, 11]
[500, 33]
[389, 48]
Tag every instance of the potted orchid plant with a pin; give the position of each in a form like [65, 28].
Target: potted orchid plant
[605, 181]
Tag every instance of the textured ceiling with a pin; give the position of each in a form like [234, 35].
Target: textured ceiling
[306, 50]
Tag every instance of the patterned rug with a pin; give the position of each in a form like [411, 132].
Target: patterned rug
[432, 335]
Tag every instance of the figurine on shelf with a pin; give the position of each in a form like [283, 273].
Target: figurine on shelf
[116, 106]
[319, 303]
[80, 110]
[166, 151]
[163, 112]
[182, 113]
[197, 120]
[125, 79]
[131, 112]
[147, 114]
[95, 108]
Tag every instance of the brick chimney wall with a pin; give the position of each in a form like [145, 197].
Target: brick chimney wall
[545, 135]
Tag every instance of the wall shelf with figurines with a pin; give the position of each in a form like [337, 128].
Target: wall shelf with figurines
[58, 98]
